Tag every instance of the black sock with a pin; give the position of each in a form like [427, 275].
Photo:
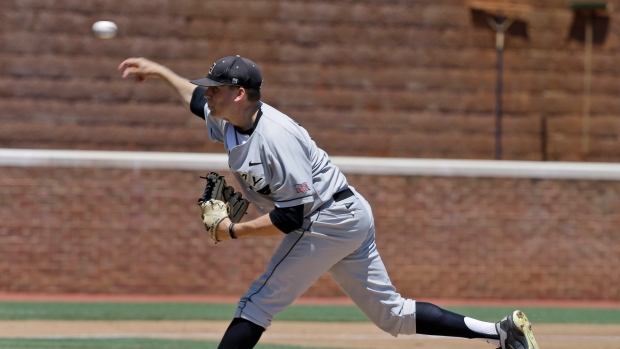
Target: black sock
[435, 321]
[241, 334]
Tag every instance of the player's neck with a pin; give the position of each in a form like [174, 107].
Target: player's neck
[249, 118]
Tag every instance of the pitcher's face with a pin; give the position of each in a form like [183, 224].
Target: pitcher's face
[221, 100]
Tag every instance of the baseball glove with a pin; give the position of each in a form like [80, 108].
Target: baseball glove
[213, 212]
[237, 205]
[219, 201]
[214, 189]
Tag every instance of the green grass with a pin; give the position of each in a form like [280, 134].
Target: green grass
[205, 311]
[124, 343]
[114, 311]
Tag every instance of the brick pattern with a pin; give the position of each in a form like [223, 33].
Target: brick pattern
[115, 231]
[397, 78]
[403, 78]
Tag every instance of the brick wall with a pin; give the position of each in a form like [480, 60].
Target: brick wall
[119, 231]
[402, 78]
[396, 78]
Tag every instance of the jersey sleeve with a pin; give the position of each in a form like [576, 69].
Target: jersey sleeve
[289, 171]
[198, 102]
[287, 219]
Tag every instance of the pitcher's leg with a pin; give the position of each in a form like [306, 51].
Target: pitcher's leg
[435, 321]
[299, 261]
[512, 332]
[241, 334]
[363, 277]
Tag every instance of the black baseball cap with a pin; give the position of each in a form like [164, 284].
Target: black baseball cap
[232, 70]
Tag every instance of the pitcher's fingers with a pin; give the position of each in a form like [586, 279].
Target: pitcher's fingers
[128, 71]
[127, 63]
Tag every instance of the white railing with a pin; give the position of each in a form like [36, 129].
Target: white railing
[349, 165]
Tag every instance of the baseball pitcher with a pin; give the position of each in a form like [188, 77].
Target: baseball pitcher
[325, 224]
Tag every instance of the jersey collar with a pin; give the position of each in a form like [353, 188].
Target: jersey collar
[251, 130]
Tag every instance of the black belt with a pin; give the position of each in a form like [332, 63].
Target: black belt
[343, 194]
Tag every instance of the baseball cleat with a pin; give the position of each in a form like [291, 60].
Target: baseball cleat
[515, 332]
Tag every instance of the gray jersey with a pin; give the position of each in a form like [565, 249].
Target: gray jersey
[278, 165]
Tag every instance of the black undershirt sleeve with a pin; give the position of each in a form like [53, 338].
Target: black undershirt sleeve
[197, 104]
[287, 219]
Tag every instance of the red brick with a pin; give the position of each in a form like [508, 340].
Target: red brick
[87, 112]
[80, 202]
[425, 65]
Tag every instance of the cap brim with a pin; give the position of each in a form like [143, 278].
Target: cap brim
[207, 82]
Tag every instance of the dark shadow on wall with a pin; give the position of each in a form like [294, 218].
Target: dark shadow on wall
[600, 27]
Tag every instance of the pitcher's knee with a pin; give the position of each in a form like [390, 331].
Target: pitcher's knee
[400, 320]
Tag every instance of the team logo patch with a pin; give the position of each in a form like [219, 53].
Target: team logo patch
[301, 188]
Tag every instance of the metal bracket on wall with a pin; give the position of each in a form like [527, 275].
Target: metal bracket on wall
[500, 16]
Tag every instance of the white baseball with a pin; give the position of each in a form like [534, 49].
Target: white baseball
[105, 29]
